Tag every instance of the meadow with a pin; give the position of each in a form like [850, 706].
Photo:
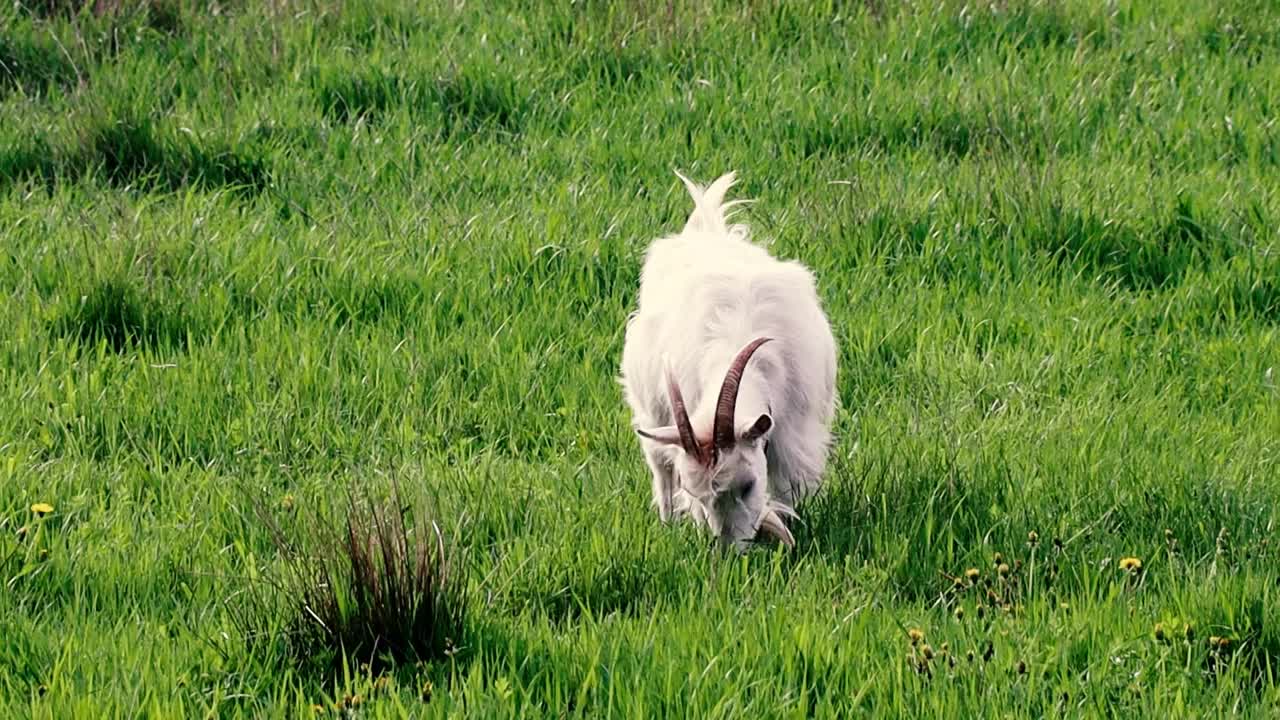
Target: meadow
[258, 254]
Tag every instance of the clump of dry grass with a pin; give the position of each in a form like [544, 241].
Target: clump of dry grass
[381, 587]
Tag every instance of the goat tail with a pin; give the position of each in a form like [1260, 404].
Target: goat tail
[710, 211]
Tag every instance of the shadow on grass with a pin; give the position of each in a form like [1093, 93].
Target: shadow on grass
[463, 104]
[31, 66]
[1137, 258]
[117, 313]
[135, 153]
[160, 15]
[1084, 242]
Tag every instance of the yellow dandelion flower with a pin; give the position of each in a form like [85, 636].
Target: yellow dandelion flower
[1033, 538]
[1003, 570]
[972, 574]
[317, 708]
[927, 652]
[959, 613]
[999, 559]
[1159, 632]
[1130, 564]
[286, 503]
[41, 508]
[916, 635]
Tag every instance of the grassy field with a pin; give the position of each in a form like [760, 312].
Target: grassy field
[259, 254]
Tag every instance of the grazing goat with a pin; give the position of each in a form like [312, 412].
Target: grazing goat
[729, 367]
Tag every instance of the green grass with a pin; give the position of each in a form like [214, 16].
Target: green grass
[255, 253]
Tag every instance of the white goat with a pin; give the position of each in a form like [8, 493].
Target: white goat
[739, 337]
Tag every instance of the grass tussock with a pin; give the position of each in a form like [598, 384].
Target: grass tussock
[381, 587]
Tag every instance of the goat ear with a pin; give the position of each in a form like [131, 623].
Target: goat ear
[757, 430]
[667, 435]
[771, 524]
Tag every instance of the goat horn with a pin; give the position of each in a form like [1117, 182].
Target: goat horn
[722, 430]
[771, 524]
[687, 439]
